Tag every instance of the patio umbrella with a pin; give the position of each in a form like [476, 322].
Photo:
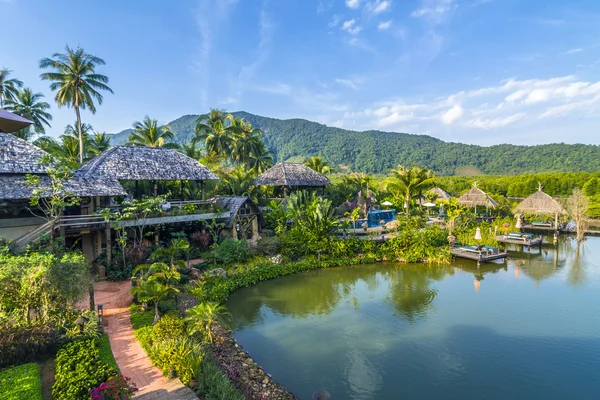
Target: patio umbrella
[519, 224]
[429, 205]
[477, 234]
[387, 203]
[10, 122]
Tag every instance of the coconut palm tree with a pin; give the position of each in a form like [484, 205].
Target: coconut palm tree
[260, 159]
[318, 164]
[72, 130]
[99, 143]
[30, 106]
[148, 133]
[212, 129]
[238, 181]
[190, 149]
[76, 82]
[9, 87]
[405, 183]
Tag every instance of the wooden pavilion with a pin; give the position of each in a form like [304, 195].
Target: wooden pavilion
[292, 176]
[541, 203]
[476, 197]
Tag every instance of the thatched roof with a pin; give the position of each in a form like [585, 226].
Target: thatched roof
[291, 174]
[14, 187]
[145, 164]
[476, 197]
[540, 203]
[233, 205]
[19, 157]
[440, 193]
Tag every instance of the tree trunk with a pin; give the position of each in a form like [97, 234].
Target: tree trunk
[156, 315]
[79, 130]
[91, 292]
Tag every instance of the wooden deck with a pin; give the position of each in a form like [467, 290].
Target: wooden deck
[479, 256]
[523, 241]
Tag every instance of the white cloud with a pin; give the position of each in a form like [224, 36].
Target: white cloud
[335, 21]
[452, 115]
[351, 27]
[353, 3]
[573, 51]
[488, 123]
[384, 25]
[394, 118]
[434, 9]
[378, 6]
[350, 83]
[361, 44]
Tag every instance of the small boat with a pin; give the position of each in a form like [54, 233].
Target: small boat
[479, 253]
[526, 239]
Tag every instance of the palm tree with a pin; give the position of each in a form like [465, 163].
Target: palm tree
[260, 159]
[148, 133]
[408, 182]
[67, 150]
[201, 318]
[76, 82]
[29, 105]
[190, 149]
[8, 87]
[86, 130]
[318, 164]
[213, 130]
[238, 181]
[176, 248]
[99, 143]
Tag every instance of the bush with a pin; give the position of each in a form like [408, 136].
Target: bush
[213, 384]
[168, 327]
[79, 369]
[22, 344]
[269, 245]
[115, 388]
[22, 382]
[231, 251]
[105, 352]
[181, 357]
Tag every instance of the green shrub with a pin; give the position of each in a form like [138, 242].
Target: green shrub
[168, 327]
[269, 246]
[22, 382]
[22, 344]
[79, 369]
[105, 352]
[181, 357]
[231, 251]
[213, 384]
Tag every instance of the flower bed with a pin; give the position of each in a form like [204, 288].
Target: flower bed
[21, 382]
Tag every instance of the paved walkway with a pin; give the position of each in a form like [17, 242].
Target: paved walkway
[131, 358]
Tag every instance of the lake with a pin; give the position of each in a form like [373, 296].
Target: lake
[521, 329]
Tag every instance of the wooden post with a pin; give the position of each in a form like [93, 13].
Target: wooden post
[181, 187]
[108, 245]
[155, 189]
[202, 190]
[556, 221]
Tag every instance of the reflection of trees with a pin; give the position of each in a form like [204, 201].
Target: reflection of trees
[410, 292]
[576, 272]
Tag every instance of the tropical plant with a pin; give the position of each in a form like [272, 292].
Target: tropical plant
[175, 249]
[155, 284]
[200, 319]
[190, 149]
[148, 133]
[99, 143]
[212, 129]
[30, 106]
[76, 82]
[238, 181]
[9, 87]
[405, 183]
[319, 165]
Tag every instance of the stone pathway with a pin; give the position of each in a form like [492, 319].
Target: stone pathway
[131, 358]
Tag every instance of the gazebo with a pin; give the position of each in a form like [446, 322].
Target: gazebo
[541, 203]
[141, 163]
[440, 193]
[292, 175]
[477, 197]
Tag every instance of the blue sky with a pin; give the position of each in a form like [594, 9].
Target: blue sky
[474, 71]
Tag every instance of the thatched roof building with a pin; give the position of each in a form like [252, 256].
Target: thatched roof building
[19, 158]
[291, 174]
[141, 163]
[477, 198]
[238, 207]
[440, 193]
[540, 203]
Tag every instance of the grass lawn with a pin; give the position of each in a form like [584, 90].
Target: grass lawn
[21, 382]
[106, 354]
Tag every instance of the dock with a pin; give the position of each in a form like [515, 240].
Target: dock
[520, 239]
[478, 253]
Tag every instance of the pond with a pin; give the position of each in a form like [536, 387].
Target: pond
[526, 328]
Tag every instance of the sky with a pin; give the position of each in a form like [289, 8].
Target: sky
[471, 71]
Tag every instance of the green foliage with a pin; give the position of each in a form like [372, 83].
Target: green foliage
[154, 283]
[22, 382]
[181, 357]
[231, 251]
[418, 245]
[79, 369]
[591, 187]
[168, 327]
[105, 352]
[20, 344]
[212, 384]
[200, 319]
[269, 245]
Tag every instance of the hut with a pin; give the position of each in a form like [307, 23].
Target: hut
[292, 176]
[541, 203]
[244, 216]
[440, 194]
[476, 197]
[141, 163]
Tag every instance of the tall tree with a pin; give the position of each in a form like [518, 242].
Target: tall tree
[8, 86]
[190, 149]
[318, 164]
[408, 182]
[577, 207]
[212, 129]
[99, 143]
[29, 105]
[76, 82]
[260, 158]
[148, 133]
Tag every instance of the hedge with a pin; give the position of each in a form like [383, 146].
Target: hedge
[21, 382]
[23, 344]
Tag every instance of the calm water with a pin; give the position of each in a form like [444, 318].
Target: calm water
[525, 329]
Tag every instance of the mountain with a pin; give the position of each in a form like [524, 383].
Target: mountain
[377, 152]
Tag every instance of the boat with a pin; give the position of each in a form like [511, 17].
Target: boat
[479, 253]
[524, 239]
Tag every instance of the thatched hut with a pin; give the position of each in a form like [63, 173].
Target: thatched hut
[292, 175]
[541, 203]
[141, 163]
[244, 216]
[440, 194]
[476, 197]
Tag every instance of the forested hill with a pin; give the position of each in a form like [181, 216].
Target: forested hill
[377, 151]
